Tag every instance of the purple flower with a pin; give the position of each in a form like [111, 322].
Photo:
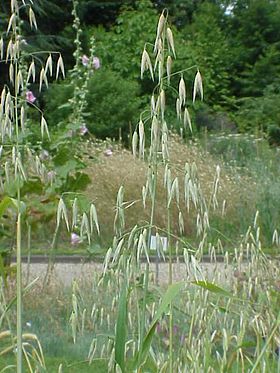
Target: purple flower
[85, 60]
[50, 176]
[30, 97]
[83, 129]
[108, 152]
[158, 328]
[75, 239]
[175, 329]
[96, 63]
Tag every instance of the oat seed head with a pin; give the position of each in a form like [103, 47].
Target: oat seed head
[134, 144]
[60, 67]
[22, 118]
[43, 78]
[75, 213]
[178, 108]
[168, 68]
[62, 214]
[160, 25]
[49, 65]
[94, 219]
[146, 64]
[187, 119]
[170, 41]
[12, 23]
[32, 18]
[31, 72]
[1, 48]
[162, 103]
[182, 91]
[141, 139]
[198, 87]
[44, 128]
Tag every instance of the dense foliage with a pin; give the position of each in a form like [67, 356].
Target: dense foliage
[235, 44]
[155, 202]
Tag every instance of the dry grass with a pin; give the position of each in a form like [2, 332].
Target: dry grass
[110, 172]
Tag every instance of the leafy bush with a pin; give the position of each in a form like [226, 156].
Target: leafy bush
[111, 104]
[261, 113]
[274, 135]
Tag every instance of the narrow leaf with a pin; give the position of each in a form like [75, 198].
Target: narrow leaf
[212, 288]
[171, 293]
[121, 329]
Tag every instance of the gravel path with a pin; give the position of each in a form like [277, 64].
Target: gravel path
[64, 273]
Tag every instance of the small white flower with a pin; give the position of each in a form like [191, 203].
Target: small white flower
[85, 60]
[96, 63]
[44, 155]
[108, 152]
[83, 129]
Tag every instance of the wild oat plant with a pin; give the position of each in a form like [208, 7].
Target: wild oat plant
[194, 325]
[223, 320]
[19, 161]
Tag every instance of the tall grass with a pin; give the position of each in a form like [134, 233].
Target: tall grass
[257, 169]
[15, 98]
[124, 321]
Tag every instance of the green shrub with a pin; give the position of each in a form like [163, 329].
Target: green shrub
[261, 113]
[111, 104]
[273, 132]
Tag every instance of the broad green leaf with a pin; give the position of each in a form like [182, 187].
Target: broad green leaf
[34, 186]
[121, 329]
[247, 344]
[78, 181]
[20, 206]
[212, 288]
[171, 293]
[14, 299]
[4, 204]
[66, 168]
[10, 202]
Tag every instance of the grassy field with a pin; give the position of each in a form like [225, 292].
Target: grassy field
[68, 193]
[248, 183]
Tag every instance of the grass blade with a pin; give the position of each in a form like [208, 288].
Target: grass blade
[171, 293]
[121, 329]
[212, 288]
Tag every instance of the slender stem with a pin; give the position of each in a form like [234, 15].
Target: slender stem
[52, 256]
[143, 318]
[19, 297]
[170, 280]
[18, 234]
[28, 253]
[170, 273]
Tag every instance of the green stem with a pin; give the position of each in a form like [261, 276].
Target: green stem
[18, 237]
[28, 253]
[52, 256]
[273, 331]
[19, 297]
[143, 318]
[170, 280]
